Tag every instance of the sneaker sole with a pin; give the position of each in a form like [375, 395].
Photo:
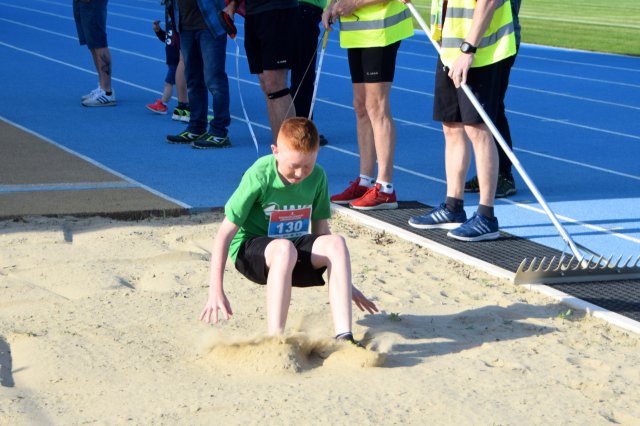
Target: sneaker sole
[157, 112]
[449, 225]
[210, 146]
[483, 237]
[507, 194]
[344, 202]
[99, 105]
[384, 206]
[178, 142]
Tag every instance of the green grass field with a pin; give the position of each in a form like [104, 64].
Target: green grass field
[584, 24]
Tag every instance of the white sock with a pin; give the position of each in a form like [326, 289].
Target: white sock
[366, 181]
[386, 187]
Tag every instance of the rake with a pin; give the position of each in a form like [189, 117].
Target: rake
[575, 268]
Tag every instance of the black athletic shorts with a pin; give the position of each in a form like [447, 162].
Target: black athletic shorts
[487, 83]
[270, 39]
[251, 262]
[373, 64]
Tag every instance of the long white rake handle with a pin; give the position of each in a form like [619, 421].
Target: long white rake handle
[315, 83]
[505, 147]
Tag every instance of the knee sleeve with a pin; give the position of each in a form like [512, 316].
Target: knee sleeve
[279, 93]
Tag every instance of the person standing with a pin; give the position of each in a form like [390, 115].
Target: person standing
[91, 23]
[371, 31]
[203, 43]
[303, 70]
[506, 184]
[477, 39]
[269, 41]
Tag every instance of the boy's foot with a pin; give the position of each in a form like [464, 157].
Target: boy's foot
[100, 98]
[184, 137]
[90, 94]
[158, 107]
[478, 228]
[374, 199]
[348, 337]
[207, 141]
[352, 193]
[506, 187]
[439, 218]
[181, 114]
[323, 140]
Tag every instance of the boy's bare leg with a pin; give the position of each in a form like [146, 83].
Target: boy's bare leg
[281, 257]
[167, 92]
[181, 82]
[366, 146]
[331, 251]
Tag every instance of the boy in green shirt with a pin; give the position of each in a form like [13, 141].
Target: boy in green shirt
[276, 232]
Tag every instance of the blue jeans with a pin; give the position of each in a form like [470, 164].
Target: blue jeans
[204, 65]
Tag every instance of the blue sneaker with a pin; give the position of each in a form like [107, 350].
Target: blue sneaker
[478, 228]
[439, 218]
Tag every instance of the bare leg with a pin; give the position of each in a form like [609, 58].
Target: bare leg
[281, 257]
[486, 154]
[331, 251]
[102, 61]
[181, 82]
[457, 155]
[366, 145]
[167, 92]
[384, 130]
[278, 109]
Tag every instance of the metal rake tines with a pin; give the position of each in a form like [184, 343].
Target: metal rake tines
[563, 269]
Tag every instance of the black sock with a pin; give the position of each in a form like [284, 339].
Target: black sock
[348, 336]
[454, 205]
[109, 93]
[183, 105]
[485, 211]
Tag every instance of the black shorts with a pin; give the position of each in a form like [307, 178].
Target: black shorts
[251, 262]
[270, 39]
[487, 83]
[373, 64]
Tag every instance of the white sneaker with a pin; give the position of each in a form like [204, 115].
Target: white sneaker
[100, 98]
[90, 94]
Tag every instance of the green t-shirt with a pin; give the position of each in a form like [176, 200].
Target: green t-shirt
[320, 3]
[262, 192]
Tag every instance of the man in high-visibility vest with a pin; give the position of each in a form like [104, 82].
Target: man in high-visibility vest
[477, 39]
[371, 30]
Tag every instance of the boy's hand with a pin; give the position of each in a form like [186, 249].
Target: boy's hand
[215, 302]
[156, 26]
[362, 302]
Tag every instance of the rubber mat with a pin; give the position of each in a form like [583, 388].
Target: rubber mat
[621, 297]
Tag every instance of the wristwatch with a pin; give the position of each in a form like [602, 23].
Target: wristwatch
[466, 47]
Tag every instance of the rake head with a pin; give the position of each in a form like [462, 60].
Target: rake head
[570, 270]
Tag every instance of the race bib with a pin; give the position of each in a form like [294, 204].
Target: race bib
[289, 223]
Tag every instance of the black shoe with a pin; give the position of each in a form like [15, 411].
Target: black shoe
[184, 137]
[207, 141]
[506, 187]
[472, 185]
[323, 141]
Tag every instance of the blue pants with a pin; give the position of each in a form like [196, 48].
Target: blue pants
[204, 61]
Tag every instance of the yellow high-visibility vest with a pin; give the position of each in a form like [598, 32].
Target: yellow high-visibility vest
[376, 25]
[497, 43]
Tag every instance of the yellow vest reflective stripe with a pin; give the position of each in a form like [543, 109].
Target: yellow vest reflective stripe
[497, 43]
[376, 25]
